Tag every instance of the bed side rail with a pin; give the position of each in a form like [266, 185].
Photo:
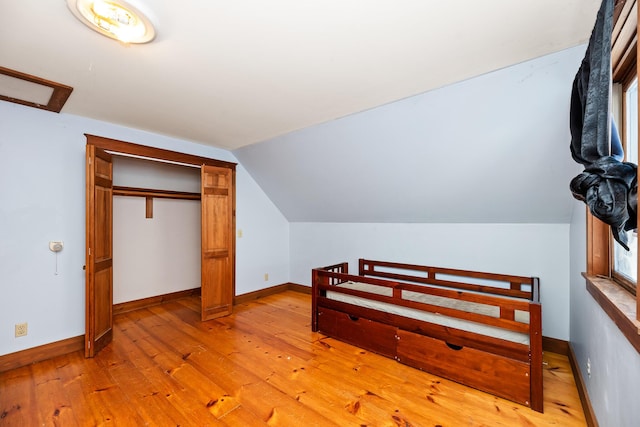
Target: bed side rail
[503, 317]
[493, 283]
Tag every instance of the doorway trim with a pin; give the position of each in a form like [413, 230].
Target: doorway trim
[120, 147]
[116, 147]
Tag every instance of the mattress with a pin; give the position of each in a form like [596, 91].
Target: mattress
[434, 317]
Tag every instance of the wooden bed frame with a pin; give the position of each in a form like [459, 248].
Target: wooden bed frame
[502, 367]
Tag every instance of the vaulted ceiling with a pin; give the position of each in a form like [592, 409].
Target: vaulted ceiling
[491, 149]
[234, 73]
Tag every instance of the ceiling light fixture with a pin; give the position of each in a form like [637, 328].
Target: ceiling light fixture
[114, 18]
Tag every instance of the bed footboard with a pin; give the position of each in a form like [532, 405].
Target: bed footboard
[316, 280]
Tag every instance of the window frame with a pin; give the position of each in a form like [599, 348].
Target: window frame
[626, 79]
[620, 304]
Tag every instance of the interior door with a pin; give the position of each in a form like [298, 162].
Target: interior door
[99, 251]
[218, 241]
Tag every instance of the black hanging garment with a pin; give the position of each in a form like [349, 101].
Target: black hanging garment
[607, 185]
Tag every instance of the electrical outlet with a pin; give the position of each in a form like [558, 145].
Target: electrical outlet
[589, 367]
[21, 329]
[266, 277]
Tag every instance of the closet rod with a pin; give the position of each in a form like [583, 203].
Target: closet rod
[147, 192]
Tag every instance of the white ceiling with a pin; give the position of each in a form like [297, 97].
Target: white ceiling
[233, 73]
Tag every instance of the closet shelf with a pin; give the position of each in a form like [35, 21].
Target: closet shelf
[147, 192]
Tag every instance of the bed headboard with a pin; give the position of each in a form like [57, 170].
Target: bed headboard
[498, 284]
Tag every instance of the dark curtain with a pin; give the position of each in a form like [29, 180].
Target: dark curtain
[607, 185]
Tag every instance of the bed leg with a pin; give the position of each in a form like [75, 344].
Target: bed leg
[314, 297]
[537, 400]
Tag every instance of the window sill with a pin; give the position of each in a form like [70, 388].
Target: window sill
[619, 305]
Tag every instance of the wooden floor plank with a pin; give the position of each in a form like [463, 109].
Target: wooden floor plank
[153, 406]
[95, 397]
[261, 366]
[79, 386]
[184, 387]
[321, 391]
[54, 406]
[17, 398]
[235, 378]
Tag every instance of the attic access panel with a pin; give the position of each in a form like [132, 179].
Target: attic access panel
[32, 91]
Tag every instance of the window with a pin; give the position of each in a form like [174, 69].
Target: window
[625, 263]
[609, 267]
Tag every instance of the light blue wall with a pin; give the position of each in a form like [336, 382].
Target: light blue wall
[614, 384]
[42, 198]
[491, 149]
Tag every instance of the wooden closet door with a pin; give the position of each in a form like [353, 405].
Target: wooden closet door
[99, 251]
[218, 241]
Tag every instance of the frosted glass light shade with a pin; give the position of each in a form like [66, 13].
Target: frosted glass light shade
[114, 18]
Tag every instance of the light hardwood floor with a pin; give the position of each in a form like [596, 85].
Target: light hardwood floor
[260, 366]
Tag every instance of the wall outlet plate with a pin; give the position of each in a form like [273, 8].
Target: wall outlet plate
[21, 329]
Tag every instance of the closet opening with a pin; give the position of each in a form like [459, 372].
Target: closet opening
[156, 231]
[214, 186]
